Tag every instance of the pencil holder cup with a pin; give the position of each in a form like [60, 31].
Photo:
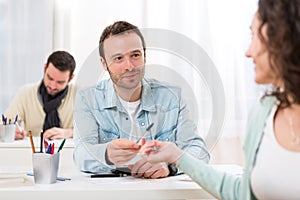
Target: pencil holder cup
[9, 132]
[45, 167]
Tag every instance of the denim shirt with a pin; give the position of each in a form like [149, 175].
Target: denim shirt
[101, 118]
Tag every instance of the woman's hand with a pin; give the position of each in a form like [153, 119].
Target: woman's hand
[157, 151]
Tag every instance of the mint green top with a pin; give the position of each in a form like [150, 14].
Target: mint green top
[221, 184]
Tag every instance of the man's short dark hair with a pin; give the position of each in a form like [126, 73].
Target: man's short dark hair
[119, 27]
[63, 61]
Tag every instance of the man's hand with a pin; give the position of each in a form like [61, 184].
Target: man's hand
[142, 168]
[122, 150]
[58, 133]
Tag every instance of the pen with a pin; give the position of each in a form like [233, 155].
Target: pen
[16, 119]
[48, 150]
[46, 145]
[147, 129]
[17, 124]
[31, 141]
[42, 138]
[4, 119]
[107, 175]
[52, 149]
[61, 145]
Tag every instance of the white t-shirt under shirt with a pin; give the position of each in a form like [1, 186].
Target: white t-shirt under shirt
[276, 174]
[132, 108]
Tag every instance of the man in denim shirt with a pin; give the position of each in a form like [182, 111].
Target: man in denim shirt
[111, 116]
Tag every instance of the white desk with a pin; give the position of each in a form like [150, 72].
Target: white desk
[83, 187]
[16, 157]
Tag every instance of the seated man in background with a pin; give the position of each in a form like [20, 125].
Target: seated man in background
[111, 117]
[47, 105]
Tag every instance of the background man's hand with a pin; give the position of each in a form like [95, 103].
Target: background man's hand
[58, 133]
[20, 133]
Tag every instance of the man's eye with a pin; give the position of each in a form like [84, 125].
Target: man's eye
[118, 58]
[136, 55]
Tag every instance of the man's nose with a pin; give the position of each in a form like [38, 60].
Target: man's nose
[52, 84]
[128, 65]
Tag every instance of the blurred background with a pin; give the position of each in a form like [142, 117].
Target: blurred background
[31, 29]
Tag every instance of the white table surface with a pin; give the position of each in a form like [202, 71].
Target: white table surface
[81, 186]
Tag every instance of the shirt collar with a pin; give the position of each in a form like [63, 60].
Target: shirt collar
[111, 99]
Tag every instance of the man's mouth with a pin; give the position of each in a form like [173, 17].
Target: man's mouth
[51, 91]
[130, 75]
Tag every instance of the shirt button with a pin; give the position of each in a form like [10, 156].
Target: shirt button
[142, 123]
[167, 139]
[104, 139]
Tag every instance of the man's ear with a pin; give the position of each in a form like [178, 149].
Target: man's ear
[102, 60]
[45, 67]
[72, 76]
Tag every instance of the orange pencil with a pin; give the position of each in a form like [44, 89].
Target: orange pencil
[31, 141]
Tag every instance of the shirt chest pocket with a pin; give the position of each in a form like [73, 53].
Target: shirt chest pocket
[168, 135]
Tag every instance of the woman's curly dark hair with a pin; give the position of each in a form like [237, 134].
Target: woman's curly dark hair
[282, 18]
